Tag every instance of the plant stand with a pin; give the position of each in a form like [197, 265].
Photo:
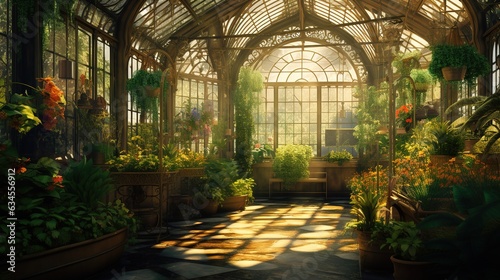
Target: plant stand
[144, 193]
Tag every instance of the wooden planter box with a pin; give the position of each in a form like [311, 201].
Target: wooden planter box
[74, 261]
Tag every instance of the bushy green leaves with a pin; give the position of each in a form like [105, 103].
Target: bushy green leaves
[292, 163]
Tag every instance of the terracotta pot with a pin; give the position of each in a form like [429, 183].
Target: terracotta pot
[210, 209]
[454, 73]
[371, 257]
[440, 159]
[152, 91]
[469, 145]
[233, 203]
[414, 270]
[75, 261]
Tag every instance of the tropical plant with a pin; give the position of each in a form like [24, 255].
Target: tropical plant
[446, 139]
[292, 163]
[483, 121]
[447, 55]
[472, 235]
[250, 83]
[338, 156]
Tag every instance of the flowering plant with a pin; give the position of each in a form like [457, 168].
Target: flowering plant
[404, 115]
[21, 113]
[139, 158]
[187, 158]
[192, 121]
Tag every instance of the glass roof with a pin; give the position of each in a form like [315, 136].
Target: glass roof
[243, 25]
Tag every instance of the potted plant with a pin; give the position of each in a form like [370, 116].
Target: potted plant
[422, 80]
[220, 174]
[368, 199]
[446, 57]
[338, 157]
[63, 227]
[292, 163]
[238, 195]
[405, 239]
[446, 140]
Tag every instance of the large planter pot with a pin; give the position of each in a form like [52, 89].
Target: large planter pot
[371, 257]
[210, 208]
[414, 270]
[233, 203]
[75, 261]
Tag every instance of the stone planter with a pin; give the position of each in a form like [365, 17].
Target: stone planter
[74, 261]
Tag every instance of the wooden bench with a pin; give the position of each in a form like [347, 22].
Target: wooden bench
[314, 177]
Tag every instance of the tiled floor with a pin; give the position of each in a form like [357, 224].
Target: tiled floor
[300, 239]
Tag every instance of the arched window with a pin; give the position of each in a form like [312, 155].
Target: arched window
[308, 98]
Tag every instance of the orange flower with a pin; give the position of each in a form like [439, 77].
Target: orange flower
[57, 179]
[21, 169]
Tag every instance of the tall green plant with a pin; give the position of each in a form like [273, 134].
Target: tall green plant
[292, 163]
[371, 113]
[250, 83]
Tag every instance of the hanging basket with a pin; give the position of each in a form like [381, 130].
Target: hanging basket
[421, 87]
[454, 73]
[152, 91]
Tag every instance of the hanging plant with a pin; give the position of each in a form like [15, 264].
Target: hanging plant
[456, 56]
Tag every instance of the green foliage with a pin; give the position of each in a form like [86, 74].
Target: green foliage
[220, 175]
[472, 238]
[339, 157]
[445, 55]
[292, 163]
[366, 206]
[51, 214]
[242, 187]
[371, 113]
[250, 84]
[484, 120]
[405, 240]
[445, 139]
[86, 182]
[136, 85]
[20, 113]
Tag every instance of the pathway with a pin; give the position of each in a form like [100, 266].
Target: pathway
[297, 240]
